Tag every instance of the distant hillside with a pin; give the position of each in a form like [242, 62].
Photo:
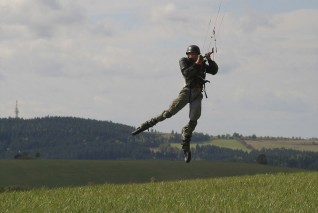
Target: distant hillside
[64, 137]
[78, 138]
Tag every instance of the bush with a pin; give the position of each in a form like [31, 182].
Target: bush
[261, 159]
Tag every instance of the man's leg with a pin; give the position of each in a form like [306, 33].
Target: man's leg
[176, 106]
[186, 133]
[153, 121]
[194, 115]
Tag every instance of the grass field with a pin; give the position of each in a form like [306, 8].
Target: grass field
[61, 173]
[224, 143]
[154, 186]
[301, 145]
[230, 143]
[292, 192]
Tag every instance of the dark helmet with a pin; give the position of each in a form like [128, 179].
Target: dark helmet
[193, 49]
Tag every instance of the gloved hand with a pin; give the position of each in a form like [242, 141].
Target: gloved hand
[199, 60]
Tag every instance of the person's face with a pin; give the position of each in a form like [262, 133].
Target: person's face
[193, 56]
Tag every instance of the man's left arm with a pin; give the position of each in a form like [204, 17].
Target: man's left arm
[212, 68]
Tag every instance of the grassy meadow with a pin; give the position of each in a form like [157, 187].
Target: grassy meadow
[281, 192]
[62, 173]
[230, 144]
[224, 143]
[300, 145]
[154, 186]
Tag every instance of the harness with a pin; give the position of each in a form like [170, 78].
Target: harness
[202, 82]
[198, 81]
[203, 87]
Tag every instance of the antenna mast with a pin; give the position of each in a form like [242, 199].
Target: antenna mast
[16, 110]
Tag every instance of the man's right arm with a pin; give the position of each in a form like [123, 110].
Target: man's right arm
[188, 69]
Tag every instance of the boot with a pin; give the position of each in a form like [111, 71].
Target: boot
[145, 126]
[186, 150]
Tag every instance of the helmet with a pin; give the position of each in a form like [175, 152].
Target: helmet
[193, 49]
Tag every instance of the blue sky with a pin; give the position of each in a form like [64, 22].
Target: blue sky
[118, 61]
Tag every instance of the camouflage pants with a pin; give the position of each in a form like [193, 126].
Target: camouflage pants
[194, 98]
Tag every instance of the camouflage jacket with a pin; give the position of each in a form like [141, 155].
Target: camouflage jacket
[194, 74]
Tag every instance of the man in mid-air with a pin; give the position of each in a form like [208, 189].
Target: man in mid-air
[194, 69]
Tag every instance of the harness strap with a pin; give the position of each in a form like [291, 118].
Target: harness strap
[203, 87]
[190, 93]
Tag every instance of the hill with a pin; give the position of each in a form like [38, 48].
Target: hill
[86, 139]
[68, 138]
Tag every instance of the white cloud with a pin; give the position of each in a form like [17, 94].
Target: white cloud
[119, 62]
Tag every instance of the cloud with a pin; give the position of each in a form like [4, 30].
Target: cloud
[271, 69]
[119, 62]
[2, 77]
[161, 12]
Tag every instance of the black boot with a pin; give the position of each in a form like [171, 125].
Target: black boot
[186, 150]
[145, 126]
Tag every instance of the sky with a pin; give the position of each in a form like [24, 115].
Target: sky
[119, 61]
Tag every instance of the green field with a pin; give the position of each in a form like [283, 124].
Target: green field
[61, 173]
[230, 143]
[300, 145]
[224, 143]
[154, 186]
[292, 192]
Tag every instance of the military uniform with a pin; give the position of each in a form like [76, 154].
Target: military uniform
[194, 75]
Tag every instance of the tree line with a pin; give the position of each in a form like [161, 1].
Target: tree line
[77, 138]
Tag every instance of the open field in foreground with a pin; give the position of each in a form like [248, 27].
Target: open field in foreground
[292, 192]
[61, 173]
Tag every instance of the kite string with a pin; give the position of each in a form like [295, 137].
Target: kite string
[213, 35]
[206, 34]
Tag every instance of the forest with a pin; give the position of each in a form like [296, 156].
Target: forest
[88, 139]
